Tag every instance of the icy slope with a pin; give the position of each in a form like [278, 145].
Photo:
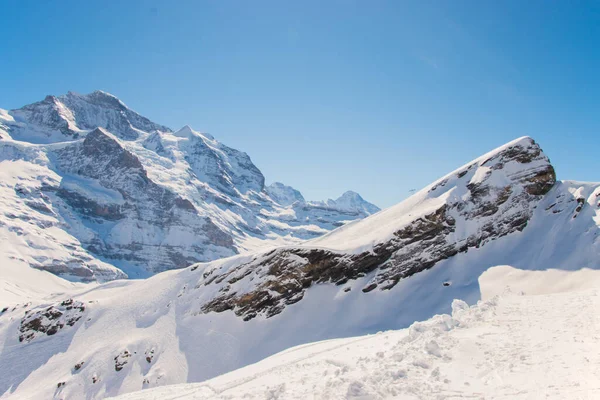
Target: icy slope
[130, 193]
[537, 340]
[197, 323]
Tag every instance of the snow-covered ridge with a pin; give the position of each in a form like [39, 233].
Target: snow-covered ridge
[349, 202]
[132, 193]
[72, 115]
[497, 348]
[491, 197]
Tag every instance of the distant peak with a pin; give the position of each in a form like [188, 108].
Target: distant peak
[102, 93]
[187, 131]
[350, 194]
[98, 97]
[351, 201]
[283, 194]
[278, 184]
[50, 98]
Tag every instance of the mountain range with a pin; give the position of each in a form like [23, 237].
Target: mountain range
[93, 191]
[384, 271]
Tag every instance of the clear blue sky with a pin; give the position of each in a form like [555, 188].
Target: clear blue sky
[375, 96]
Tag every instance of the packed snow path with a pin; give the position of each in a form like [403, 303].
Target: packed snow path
[538, 340]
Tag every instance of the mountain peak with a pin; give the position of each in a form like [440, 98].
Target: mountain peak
[63, 118]
[185, 131]
[350, 194]
[283, 194]
[350, 201]
[188, 131]
[100, 98]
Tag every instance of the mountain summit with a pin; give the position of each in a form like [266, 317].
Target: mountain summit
[104, 192]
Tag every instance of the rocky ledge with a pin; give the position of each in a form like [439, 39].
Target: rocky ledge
[48, 321]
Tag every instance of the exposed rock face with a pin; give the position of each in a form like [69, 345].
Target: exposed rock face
[50, 320]
[146, 209]
[490, 198]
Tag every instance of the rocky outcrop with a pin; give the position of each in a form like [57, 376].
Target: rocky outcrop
[50, 320]
[488, 199]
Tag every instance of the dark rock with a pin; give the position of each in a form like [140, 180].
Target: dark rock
[121, 360]
[50, 320]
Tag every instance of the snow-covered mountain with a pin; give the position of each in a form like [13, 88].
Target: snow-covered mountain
[400, 265]
[93, 189]
[496, 349]
[283, 194]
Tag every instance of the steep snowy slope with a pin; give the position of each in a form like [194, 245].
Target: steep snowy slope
[539, 339]
[115, 189]
[410, 262]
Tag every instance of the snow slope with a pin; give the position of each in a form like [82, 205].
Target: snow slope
[193, 324]
[533, 336]
[117, 192]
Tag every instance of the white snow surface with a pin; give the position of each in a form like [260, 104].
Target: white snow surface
[162, 316]
[534, 336]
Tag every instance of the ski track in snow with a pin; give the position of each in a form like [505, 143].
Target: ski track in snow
[520, 345]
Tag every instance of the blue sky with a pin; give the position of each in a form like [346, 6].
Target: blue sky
[375, 96]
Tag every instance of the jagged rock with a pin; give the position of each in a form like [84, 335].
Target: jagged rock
[121, 360]
[71, 115]
[50, 320]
